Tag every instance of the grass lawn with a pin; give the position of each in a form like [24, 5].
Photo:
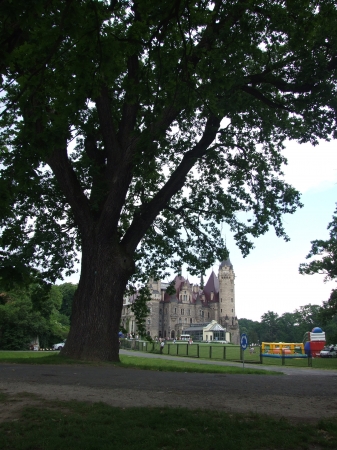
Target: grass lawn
[218, 351]
[317, 363]
[75, 425]
[18, 357]
[181, 366]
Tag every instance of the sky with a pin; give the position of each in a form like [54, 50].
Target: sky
[268, 278]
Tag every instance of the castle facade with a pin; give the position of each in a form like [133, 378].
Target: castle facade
[189, 305]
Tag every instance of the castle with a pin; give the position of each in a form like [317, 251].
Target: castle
[190, 305]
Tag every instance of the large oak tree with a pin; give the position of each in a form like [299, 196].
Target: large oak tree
[179, 110]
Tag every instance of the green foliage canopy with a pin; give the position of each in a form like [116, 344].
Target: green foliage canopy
[67, 291]
[151, 91]
[289, 327]
[326, 263]
[325, 252]
[30, 312]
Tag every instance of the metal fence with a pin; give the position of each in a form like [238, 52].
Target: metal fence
[194, 350]
[227, 353]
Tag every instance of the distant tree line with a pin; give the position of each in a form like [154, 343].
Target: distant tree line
[34, 308]
[29, 307]
[290, 327]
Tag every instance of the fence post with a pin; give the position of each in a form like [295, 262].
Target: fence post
[210, 352]
[177, 349]
[261, 357]
[224, 352]
[198, 351]
[168, 349]
[187, 349]
[241, 354]
[283, 358]
[309, 361]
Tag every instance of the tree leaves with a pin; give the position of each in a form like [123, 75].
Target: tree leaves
[179, 111]
[326, 250]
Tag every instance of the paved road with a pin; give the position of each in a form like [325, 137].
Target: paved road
[306, 381]
[302, 393]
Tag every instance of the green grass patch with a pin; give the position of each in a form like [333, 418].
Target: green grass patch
[182, 366]
[127, 361]
[3, 397]
[17, 357]
[317, 363]
[212, 351]
[83, 426]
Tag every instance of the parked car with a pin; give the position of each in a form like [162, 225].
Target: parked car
[58, 346]
[329, 352]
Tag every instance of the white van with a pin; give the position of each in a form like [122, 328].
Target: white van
[185, 337]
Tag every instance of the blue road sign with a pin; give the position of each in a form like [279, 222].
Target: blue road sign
[244, 341]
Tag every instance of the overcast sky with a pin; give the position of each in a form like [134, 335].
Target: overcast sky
[268, 279]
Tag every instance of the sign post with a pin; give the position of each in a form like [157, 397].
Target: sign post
[244, 345]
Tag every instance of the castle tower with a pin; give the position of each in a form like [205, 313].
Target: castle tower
[227, 316]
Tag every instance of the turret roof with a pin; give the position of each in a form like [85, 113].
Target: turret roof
[227, 262]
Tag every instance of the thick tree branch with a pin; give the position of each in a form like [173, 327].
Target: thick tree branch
[258, 95]
[168, 116]
[210, 35]
[131, 105]
[71, 188]
[280, 84]
[111, 144]
[148, 212]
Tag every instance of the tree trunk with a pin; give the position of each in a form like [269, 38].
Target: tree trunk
[98, 302]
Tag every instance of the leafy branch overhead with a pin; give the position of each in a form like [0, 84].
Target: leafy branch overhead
[325, 262]
[147, 90]
[325, 252]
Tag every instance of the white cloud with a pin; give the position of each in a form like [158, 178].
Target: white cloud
[311, 167]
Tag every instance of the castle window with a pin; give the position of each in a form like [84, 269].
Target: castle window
[175, 310]
[232, 310]
[221, 310]
[208, 315]
[231, 300]
[149, 321]
[190, 320]
[221, 300]
[188, 312]
[185, 320]
[182, 312]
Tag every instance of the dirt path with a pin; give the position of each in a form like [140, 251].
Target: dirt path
[300, 395]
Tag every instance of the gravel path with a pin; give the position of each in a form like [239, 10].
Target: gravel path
[299, 394]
